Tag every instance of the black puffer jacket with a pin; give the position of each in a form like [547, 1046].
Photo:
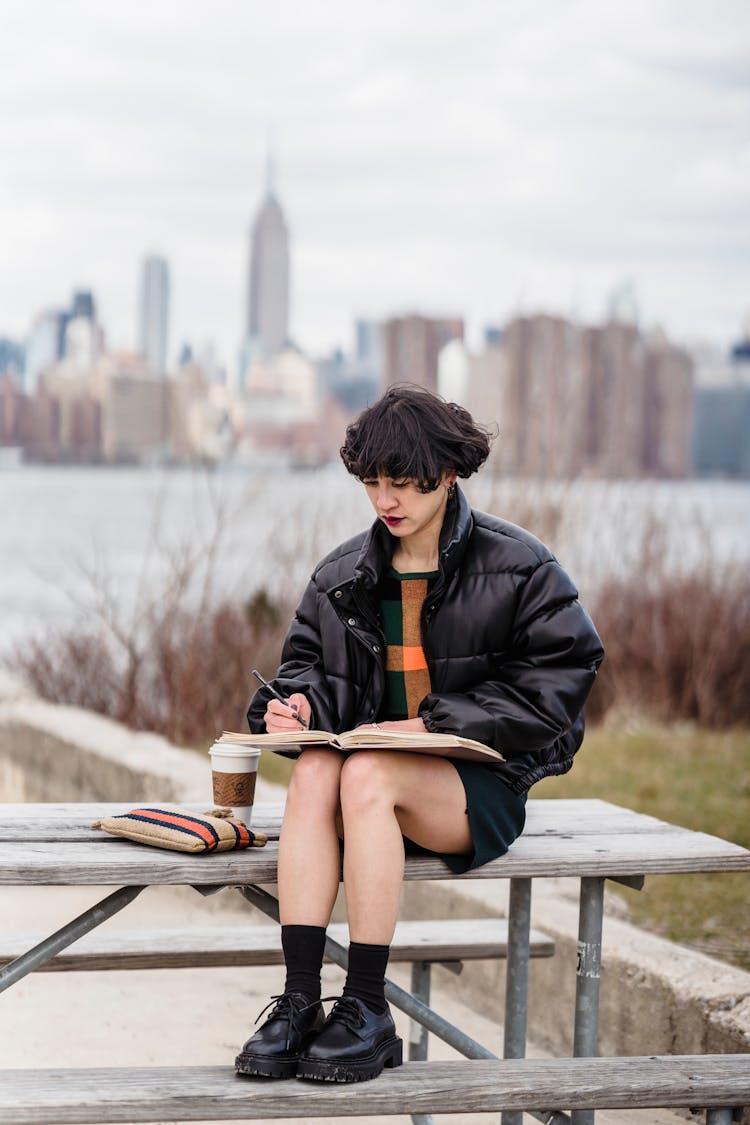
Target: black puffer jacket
[512, 653]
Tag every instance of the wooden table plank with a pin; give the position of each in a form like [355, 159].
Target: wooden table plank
[47, 822]
[115, 861]
[203, 1093]
[543, 818]
[51, 810]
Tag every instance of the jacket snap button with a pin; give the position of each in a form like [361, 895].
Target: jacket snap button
[338, 594]
[352, 620]
[376, 648]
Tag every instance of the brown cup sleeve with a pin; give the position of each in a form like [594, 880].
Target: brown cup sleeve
[234, 789]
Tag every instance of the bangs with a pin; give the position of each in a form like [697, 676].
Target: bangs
[411, 433]
[397, 448]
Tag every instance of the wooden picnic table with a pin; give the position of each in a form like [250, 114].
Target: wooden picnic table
[590, 840]
[55, 845]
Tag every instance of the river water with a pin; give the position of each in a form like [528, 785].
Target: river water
[72, 539]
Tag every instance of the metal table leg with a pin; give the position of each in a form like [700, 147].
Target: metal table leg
[62, 938]
[418, 1035]
[517, 979]
[420, 987]
[588, 977]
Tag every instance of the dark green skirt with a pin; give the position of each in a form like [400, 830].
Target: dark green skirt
[496, 817]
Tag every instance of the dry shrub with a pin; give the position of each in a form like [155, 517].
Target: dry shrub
[537, 506]
[176, 658]
[188, 679]
[677, 647]
[73, 668]
[677, 637]
[198, 673]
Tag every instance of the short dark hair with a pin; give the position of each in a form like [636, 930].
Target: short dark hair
[412, 432]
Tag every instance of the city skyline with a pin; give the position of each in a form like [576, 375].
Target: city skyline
[523, 161]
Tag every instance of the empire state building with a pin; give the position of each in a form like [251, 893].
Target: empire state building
[268, 289]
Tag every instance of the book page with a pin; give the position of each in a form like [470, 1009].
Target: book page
[292, 743]
[412, 739]
[314, 737]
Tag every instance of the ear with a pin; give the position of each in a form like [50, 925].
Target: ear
[449, 478]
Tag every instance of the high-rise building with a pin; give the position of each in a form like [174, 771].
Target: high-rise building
[411, 345]
[596, 401]
[154, 313]
[56, 334]
[721, 440]
[268, 288]
[43, 348]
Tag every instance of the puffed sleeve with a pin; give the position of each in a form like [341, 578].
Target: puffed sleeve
[301, 667]
[542, 681]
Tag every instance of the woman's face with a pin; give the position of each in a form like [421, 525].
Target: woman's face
[403, 508]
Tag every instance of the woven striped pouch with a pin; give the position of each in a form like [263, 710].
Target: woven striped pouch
[181, 830]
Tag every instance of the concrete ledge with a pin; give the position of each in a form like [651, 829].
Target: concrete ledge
[657, 997]
[54, 753]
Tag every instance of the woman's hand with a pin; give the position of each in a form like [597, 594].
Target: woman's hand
[282, 717]
[396, 724]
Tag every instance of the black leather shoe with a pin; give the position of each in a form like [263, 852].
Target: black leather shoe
[355, 1044]
[273, 1051]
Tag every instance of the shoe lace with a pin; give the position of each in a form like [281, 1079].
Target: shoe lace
[346, 1010]
[288, 1007]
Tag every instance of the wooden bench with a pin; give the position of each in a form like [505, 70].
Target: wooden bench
[196, 947]
[422, 943]
[715, 1083]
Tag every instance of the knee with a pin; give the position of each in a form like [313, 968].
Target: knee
[365, 780]
[316, 774]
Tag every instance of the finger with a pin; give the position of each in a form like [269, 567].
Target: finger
[276, 707]
[301, 704]
[276, 724]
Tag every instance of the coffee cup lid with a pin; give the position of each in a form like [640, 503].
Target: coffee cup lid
[227, 750]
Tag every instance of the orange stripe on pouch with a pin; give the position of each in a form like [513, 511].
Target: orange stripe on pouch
[169, 820]
[242, 832]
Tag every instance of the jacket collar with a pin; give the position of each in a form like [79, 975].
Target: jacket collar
[377, 549]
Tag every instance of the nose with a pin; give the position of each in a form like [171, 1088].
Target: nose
[386, 498]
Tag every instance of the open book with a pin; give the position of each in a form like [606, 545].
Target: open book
[291, 743]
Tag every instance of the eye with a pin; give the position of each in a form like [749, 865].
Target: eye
[370, 483]
[401, 483]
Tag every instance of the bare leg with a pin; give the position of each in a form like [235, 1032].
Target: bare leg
[309, 857]
[385, 795]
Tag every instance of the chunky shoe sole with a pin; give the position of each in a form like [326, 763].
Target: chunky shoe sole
[260, 1066]
[389, 1054]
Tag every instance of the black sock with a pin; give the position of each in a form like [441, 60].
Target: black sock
[365, 977]
[303, 956]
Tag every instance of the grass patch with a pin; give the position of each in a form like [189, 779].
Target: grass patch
[272, 767]
[691, 776]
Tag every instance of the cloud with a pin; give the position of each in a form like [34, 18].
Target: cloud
[429, 156]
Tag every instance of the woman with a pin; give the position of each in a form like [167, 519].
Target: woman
[438, 618]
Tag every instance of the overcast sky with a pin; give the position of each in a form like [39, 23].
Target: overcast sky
[480, 158]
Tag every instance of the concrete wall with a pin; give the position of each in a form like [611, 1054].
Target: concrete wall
[657, 997]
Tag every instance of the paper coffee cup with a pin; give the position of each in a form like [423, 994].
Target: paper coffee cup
[233, 773]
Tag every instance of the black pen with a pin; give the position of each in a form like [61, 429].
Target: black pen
[276, 694]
